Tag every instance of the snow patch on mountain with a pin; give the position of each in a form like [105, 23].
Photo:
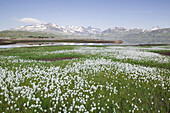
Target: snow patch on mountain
[51, 27]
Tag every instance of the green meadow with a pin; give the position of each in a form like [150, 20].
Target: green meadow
[85, 79]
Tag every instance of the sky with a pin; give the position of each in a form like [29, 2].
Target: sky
[102, 14]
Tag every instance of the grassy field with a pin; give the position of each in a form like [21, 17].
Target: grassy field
[26, 34]
[98, 79]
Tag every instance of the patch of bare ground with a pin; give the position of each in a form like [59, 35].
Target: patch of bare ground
[167, 53]
[5, 42]
[58, 59]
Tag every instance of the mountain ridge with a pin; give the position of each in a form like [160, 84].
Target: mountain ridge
[155, 35]
[53, 28]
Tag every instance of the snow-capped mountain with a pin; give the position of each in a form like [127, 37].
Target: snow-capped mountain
[125, 30]
[53, 28]
[50, 27]
[94, 30]
[155, 28]
[121, 30]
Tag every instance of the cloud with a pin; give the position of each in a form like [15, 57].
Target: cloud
[29, 20]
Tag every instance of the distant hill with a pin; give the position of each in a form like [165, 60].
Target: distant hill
[28, 34]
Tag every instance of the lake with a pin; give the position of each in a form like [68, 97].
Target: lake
[51, 44]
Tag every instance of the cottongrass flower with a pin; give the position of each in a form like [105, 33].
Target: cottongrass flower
[70, 88]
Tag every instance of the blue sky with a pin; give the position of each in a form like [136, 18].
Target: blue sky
[97, 13]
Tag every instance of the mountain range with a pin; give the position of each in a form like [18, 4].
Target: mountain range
[53, 28]
[156, 35]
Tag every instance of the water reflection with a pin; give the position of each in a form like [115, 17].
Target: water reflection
[52, 44]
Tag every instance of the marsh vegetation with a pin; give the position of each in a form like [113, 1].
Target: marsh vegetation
[99, 79]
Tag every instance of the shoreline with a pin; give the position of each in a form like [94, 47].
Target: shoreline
[35, 40]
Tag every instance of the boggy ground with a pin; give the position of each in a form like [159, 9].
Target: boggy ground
[99, 79]
[167, 53]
